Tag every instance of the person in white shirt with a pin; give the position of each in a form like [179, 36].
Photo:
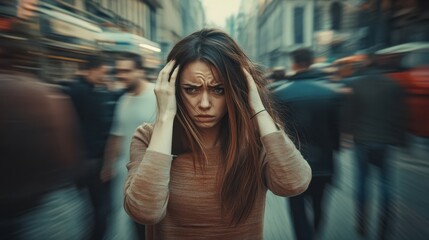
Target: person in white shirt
[136, 106]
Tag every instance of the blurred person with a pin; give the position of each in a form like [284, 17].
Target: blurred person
[94, 106]
[135, 107]
[311, 114]
[339, 80]
[39, 152]
[347, 69]
[276, 77]
[343, 71]
[203, 169]
[377, 123]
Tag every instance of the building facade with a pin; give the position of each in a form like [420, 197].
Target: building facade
[336, 28]
[175, 20]
[283, 26]
[270, 29]
[247, 28]
[193, 16]
[133, 16]
[392, 22]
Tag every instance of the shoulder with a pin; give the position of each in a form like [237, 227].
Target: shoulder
[78, 87]
[122, 98]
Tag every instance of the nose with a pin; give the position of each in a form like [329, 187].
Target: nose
[204, 101]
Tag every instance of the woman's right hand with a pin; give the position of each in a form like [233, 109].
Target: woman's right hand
[165, 92]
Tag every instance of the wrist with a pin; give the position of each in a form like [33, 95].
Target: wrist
[165, 119]
[258, 113]
[257, 107]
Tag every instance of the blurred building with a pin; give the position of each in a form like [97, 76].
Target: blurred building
[270, 29]
[283, 26]
[69, 30]
[134, 16]
[247, 27]
[336, 28]
[161, 21]
[232, 25]
[170, 27]
[392, 22]
[175, 20]
[193, 16]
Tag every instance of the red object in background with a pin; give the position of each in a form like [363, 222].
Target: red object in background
[417, 88]
[409, 65]
[6, 24]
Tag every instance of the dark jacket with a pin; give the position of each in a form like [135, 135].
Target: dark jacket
[311, 118]
[94, 107]
[377, 109]
[311, 74]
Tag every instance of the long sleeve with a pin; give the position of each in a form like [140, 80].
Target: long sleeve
[147, 185]
[287, 173]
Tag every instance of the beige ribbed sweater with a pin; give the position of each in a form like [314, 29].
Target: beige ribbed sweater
[177, 201]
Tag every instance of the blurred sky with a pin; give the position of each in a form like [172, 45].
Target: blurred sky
[218, 10]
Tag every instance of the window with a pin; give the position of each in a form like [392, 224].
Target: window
[336, 15]
[298, 25]
[318, 18]
[152, 25]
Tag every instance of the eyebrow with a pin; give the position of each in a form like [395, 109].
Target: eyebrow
[199, 85]
[191, 85]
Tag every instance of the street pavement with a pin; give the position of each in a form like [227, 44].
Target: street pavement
[410, 180]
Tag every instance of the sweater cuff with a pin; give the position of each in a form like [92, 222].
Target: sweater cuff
[161, 159]
[276, 139]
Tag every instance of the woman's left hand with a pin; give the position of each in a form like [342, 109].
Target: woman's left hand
[254, 98]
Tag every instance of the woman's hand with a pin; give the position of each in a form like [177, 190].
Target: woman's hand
[165, 92]
[255, 101]
[265, 122]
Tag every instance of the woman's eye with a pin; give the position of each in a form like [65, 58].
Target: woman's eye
[219, 90]
[191, 90]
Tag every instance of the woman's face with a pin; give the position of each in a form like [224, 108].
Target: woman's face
[203, 94]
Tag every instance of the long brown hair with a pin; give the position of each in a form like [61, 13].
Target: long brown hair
[240, 176]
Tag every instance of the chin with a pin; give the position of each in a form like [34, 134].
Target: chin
[206, 125]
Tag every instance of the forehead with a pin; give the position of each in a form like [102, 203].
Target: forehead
[198, 72]
[125, 64]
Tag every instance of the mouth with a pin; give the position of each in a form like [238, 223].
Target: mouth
[204, 118]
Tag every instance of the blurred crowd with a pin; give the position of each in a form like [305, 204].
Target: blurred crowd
[375, 105]
[67, 144]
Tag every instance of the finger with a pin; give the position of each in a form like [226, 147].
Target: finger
[163, 74]
[166, 72]
[247, 75]
[174, 76]
[245, 72]
[249, 78]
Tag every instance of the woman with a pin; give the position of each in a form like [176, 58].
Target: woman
[203, 168]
